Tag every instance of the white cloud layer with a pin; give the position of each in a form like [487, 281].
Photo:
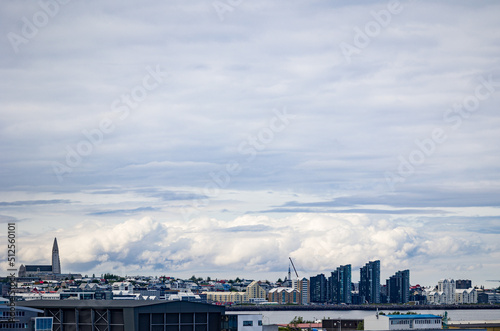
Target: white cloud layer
[259, 246]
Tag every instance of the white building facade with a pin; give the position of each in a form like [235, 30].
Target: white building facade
[403, 322]
[434, 297]
[249, 322]
[466, 296]
[448, 287]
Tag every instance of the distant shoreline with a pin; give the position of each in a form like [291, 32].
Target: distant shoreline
[360, 307]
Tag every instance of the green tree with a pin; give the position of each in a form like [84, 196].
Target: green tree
[297, 320]
[361, 325]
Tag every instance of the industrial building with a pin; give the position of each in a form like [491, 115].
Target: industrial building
[130, 315]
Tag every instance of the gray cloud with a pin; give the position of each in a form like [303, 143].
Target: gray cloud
[356, 211]
[417, 198]
[35, 202]
[123, 211]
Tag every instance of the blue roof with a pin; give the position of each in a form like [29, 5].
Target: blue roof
[413, 316]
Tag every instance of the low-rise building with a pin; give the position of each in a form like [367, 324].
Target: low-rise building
[284, 295]
[227, 297]
[490, 325]
[466, 296]
[488, 297]
[340, 324]
[242, 322]
[130, 315]
[402, 322]
[183, 296]
[255, 291]
[436, 297]
[19, 319]
[37, 296]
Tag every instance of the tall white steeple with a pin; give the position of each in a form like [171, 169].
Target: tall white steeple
[56, 263]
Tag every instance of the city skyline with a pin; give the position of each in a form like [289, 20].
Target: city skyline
[222, 137]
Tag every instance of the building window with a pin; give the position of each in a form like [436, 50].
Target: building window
[247, 323]
[43, 323]
[260, 323]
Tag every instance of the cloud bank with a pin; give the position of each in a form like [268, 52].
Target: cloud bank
[257, 245]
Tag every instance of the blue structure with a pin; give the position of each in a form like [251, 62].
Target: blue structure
[369, 284]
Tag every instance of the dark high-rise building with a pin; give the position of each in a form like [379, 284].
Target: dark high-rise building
[398, 287]
[463, 284]
[318, 288]
[383, 293]
[340, 285]
[369, 283]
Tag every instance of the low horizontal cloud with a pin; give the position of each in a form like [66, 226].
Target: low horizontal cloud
[250, 244]
[356, 211]
[123, 211]
[34, 202]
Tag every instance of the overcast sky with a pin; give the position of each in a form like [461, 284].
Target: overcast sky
[218, 138]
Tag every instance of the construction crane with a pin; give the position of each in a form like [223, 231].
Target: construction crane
[294, 268]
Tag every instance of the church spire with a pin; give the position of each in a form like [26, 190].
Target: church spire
[56, 263]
